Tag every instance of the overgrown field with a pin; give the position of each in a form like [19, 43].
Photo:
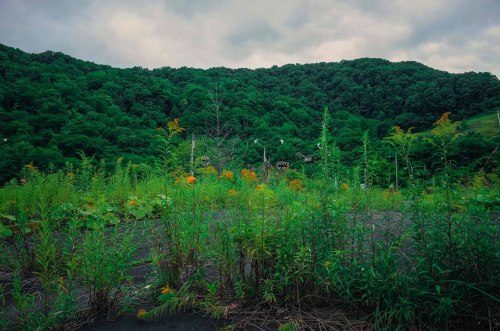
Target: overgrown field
[329, 251]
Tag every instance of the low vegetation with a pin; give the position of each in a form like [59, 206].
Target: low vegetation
[417, 252]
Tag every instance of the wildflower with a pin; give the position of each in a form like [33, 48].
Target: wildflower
[259, 187]
[444, 129]
[295, 185]
[167, 289]
[132, 203]
[443, 120]
[30, 167]
[397, 129]
[142, 313]
[209, 170]
[191, 179]
[327, 264]
[232, 193]
[175, 126]
[228, 174]
[344, 186]
[248, 175]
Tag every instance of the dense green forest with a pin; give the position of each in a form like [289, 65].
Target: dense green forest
[54, 107]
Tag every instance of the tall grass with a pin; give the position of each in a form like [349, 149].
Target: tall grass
[424, 257]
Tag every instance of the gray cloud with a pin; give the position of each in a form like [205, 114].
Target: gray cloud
[254, 33]
[452, 35]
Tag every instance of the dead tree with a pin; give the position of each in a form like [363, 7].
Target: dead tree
[222, 145]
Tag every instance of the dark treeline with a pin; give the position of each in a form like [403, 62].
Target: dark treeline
[53, 107]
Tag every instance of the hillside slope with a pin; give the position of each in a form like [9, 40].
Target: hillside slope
[53, 106]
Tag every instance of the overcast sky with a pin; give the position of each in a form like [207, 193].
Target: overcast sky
[451, 35]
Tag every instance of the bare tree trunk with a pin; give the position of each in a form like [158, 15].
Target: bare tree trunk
[192, 155]
[396, 161]
[266, 167]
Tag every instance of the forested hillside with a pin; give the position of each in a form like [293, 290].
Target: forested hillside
[54, 107]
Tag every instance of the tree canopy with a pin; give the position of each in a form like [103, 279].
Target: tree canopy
[53, 106]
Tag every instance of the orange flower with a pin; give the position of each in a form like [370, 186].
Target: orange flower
[191, 179]
[132, 203]
[175, 126]
[142, 313]
[228, 174]
[444, 119]
[232, 193]
[248, 175]
[167, 289]
[327, 264]
[295, 185]
[30, 167]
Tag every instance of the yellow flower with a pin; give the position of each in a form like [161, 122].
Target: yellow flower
[167, 289]
[141, 313]
[232, 193]
[259, 187]
[228, 174]
[344, 186]
[191, 179]
[210, 170]
[248, 175]
[295, 185]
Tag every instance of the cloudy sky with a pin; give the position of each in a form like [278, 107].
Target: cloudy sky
[451, 35]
